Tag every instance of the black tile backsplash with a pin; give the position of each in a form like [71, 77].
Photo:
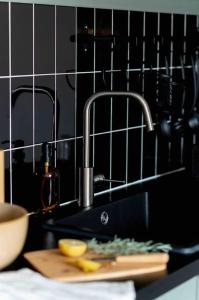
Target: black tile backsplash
[44, 38]
[85, 49]
[134, 155]
[84, 89]
[65, 97]
[52, 58]
[4, 41]
[120, 47]
[102, 154]
[118, 161]
[65, 28]
[119, 107]
[136, 45]
[4, 108]
[103, 49]
[21, 112]
[22, 39]
[44, 105]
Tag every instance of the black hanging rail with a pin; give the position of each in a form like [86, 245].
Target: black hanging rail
[84, 37]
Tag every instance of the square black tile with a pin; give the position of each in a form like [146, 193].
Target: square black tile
[102, 160]
[85, 48]
[135, 109]
[163, 153]
[134, 155]
[136, 39]
[84, 91]
[44, 39]
[148, 154]
[119, 147]
[4, 108]
[67, 169]
[4, 42]
[120, 30]
[22, 38]
[119, 109]
[151, 29]
[175, 154]
[150, 91]
[191, 38]
[22, 111]
[102, 105]
[65, 29]
[178, 38]
[7, 176]
[79, 153]
[66, 105]
[103, 44]
[165, 41]
[23, 189]
[44, 109]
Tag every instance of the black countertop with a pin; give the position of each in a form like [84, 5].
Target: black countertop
[181, 266]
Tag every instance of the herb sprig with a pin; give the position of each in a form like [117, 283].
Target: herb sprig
[126, 247]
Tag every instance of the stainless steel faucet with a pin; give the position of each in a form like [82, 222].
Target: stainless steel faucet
[86, 180]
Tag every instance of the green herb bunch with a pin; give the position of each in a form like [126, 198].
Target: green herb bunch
[126, 247]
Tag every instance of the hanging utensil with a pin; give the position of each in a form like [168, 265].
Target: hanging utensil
[193, 119]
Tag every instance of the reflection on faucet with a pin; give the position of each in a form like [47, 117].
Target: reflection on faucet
[40, 90]
[86, 179]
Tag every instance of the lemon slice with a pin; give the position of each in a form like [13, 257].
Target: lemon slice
[87, 265]
[72, 247]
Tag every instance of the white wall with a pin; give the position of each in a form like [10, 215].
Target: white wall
[176, 6]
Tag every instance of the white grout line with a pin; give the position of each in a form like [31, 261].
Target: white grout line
[80, 137]
[194, 135]
[147, 179]
[157, 99]
[171, 73]
[127, 104]
[185, 34]
[75, 119]
[142, 132]
[10, 101]
[182, 112]
[94, 72]
[55, 128]
[111, 106]
[91, 72]
[94, 87]
[33, 94]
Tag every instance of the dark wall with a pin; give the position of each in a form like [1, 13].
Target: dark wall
[70, 53]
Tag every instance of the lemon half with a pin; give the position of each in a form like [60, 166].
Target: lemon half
[87, 265]
[72, 247]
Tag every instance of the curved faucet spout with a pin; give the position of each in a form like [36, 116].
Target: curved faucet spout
[86, 124]
[86, 173]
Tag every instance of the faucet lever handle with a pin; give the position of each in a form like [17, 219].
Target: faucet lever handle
[101, 177]
[114, 180]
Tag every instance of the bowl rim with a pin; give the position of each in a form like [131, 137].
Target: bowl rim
[22, 209]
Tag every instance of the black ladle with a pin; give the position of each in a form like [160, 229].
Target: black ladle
[172, 122]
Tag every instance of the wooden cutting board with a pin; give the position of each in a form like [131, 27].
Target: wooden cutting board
[52, 264]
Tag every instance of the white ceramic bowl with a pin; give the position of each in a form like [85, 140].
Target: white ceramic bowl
[13, 232]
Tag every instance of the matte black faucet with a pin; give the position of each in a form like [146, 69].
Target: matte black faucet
[86, 179]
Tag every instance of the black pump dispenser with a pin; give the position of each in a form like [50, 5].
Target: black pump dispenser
[47, 156]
